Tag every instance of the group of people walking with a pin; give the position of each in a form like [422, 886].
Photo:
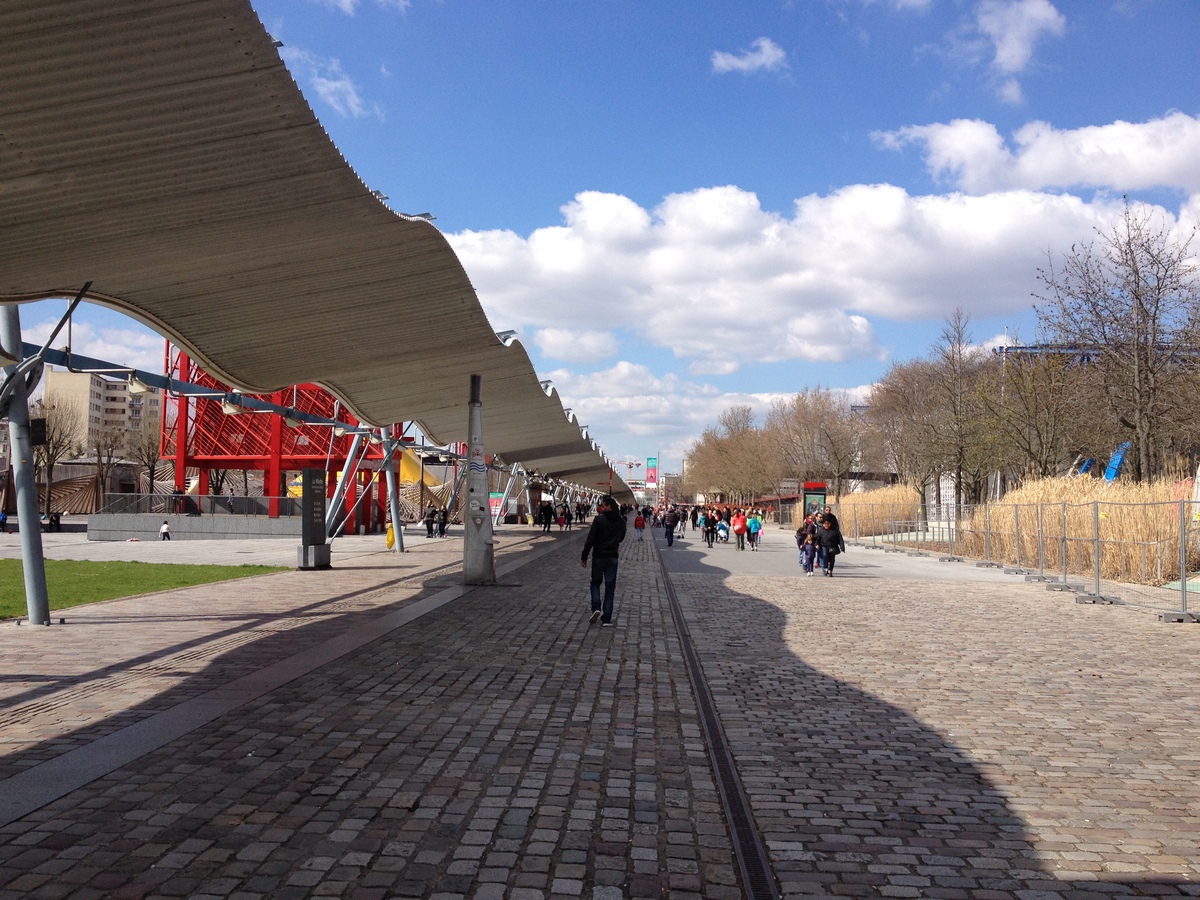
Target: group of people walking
[715, 524]
[564, 514]
[819, 538]
[436, 518]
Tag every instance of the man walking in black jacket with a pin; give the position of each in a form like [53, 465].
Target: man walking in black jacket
[604, 543]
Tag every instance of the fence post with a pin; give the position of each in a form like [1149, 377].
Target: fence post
[952, 524]
[1041, 545]
[1096, 539]
[1017, 535]
[1063, 543]
[1183, 585]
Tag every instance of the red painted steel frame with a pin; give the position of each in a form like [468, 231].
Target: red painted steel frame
[197, 433]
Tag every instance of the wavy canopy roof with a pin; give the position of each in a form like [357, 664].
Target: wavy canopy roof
[161, 150]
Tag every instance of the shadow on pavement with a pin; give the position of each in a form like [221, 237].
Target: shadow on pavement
[853, 795]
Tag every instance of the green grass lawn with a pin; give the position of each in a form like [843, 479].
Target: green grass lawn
[71, 582]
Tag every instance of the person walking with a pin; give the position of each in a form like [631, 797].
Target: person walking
[829, 540]
[164, 533]
[430, 520]
[604, 544]
[670, 523]
[754, 528]
[443, 521]
[639, 525]
[808, 552]
[739, 527]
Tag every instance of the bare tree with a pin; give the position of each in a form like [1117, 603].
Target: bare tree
[65, 432]
[110, 445]
[144, 448]
[1031, 398]
[1133, 301]
[959, 428]
[817, 434]
[905, 424]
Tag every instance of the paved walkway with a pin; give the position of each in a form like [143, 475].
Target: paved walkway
[908, 728]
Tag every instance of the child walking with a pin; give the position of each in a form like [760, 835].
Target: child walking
[808, 554]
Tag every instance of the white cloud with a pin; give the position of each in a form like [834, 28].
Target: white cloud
[1121, 156]
[1014, 27]
[1002, 35]
[764, 54]
[326, 78]
[577, 346]
[349, 7]
[131, 346]
[664, 414]
[1010, 92]
[719, 281]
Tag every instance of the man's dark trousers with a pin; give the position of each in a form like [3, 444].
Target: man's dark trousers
[604, 568]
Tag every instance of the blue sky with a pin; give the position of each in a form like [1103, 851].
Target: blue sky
[682, 206]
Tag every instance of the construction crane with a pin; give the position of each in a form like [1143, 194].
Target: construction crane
[630, 465]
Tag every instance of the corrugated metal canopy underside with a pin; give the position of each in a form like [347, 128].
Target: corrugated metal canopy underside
[161, 150]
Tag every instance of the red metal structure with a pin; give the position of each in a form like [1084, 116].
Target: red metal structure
[197, 433]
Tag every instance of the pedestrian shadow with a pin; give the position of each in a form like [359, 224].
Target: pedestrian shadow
[854, 795]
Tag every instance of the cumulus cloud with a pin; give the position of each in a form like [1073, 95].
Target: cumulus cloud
[349, 7]
[129, 345]
[666, 412]
[723, 283]
[1014, 27]
[764, 53]
[346, 6]
[1003, 35]
[326, 78]
[578, 346]
[1121, 156]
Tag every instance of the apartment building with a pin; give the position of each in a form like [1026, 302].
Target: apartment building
[103, 402]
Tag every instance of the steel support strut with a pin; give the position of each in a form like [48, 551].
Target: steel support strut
[33, 564]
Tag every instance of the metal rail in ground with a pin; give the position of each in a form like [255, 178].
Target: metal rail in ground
[758, 880]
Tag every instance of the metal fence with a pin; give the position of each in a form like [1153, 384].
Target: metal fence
[1137, 554]
[193, 505]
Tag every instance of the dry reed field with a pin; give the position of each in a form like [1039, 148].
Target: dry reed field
[1060, 524]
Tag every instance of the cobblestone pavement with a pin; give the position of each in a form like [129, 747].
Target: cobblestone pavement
[907, 738]
[499, 746]
[899, 731]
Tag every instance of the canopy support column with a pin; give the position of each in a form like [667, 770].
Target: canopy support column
[479, 557]
[393, 483]
[33, 563]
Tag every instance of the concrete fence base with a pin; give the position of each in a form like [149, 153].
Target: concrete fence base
[145, 526]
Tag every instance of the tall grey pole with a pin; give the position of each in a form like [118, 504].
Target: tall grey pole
[349, 470]
[33, 564]
[479, 556]
[389, 468]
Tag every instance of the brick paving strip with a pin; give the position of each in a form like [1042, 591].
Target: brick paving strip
[496, 746]
[162, 717]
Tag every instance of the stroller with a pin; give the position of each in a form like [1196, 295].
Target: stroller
[723, 532]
